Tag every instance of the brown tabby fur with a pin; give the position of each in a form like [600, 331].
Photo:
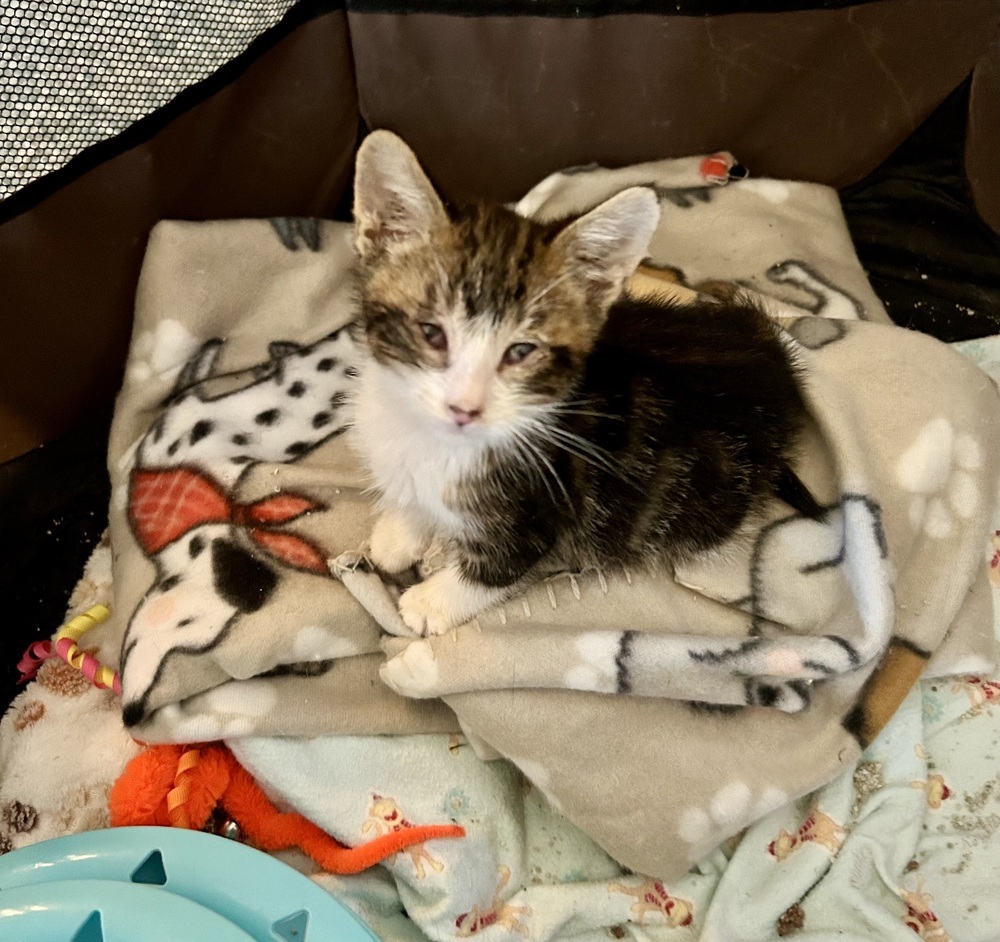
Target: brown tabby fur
[685, 417]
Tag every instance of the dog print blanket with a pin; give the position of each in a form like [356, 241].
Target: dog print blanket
[708, 695]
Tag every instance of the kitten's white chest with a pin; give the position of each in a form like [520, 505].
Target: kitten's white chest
[413, 460]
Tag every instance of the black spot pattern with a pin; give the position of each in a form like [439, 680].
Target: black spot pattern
[267, 417]
[326, 364]
[321, 418]
[196, 546]
[297, 448]
[201, 428]
[173, 446]
[169, 583]
[241, 459]
[240, 439]
[184, 622]
[241, 579]
[767, 695]
[297, 389]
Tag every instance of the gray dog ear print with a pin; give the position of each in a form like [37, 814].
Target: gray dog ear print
[198, 369]
[296, 232]
[826, 298]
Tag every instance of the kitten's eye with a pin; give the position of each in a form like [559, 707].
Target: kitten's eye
[517, 352]
[434, 336]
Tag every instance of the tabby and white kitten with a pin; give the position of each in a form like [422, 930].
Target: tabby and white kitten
[516, 403]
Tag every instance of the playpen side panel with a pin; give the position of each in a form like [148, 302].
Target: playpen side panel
[494, 103]
[271, 134]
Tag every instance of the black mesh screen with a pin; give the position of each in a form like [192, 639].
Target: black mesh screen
[72, 74]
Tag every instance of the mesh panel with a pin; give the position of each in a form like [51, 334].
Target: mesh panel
[72, 74]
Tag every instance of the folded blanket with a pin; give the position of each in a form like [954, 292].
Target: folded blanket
[905, 841]
[708, 695]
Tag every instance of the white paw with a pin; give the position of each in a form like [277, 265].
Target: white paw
[396, 543]
[428, 608]
[413, 672]
[444, 601]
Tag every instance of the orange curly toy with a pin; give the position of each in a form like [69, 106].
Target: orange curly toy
[180, 786]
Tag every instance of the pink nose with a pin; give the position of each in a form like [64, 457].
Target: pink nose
[464, 416]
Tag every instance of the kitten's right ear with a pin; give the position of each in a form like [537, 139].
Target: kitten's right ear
[394, 202]
[606, 245]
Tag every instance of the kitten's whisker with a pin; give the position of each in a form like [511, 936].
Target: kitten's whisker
[555, 476]
[572, 408]
[519, 447]
[581, 448]
[529, 450]
[597, 415]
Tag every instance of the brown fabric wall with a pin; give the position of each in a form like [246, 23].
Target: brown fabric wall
[494, 103]
[277, 139]
[982, 146]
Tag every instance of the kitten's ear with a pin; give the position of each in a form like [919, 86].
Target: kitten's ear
[607, 244]
[394, 202]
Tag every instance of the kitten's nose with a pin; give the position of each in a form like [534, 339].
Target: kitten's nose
[464, 416]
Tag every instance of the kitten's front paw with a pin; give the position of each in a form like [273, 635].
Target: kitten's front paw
[428, 608]
[444, 601]
[396, 543]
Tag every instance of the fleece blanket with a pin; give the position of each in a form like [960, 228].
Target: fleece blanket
[906, 841]
[710, 694]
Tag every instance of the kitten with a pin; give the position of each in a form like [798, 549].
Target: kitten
[515, 402]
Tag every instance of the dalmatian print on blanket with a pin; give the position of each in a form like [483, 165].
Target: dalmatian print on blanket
[216, 558]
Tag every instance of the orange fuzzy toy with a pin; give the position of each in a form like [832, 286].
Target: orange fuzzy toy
[179, 786]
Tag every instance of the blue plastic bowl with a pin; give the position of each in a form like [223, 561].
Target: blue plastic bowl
[160, 885]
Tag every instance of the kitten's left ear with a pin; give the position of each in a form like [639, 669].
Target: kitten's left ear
[394, 202]
[607, 244]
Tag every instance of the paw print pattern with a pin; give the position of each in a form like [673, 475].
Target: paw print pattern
[162, 351]
[938, 470]
[731, 807]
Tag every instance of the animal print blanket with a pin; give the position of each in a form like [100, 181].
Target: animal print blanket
[711, 694]
[907, 840]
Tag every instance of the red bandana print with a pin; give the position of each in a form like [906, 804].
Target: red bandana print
[164, 504]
